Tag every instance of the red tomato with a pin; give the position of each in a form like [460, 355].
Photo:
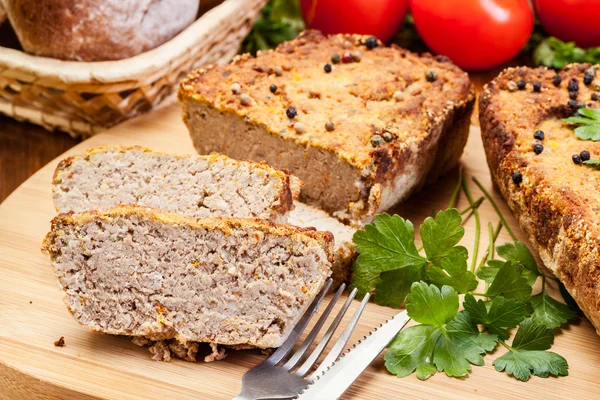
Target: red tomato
[474, 34]
[571, 20]
[381, 18]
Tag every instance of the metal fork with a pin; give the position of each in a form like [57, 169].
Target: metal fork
[276, 378]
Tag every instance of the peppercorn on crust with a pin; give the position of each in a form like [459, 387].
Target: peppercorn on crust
[141, 272]
[558, 202]
[415, 102]
[196, 186]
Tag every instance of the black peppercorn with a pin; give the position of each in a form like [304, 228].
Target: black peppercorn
[576, 159]
[336, 58]
[575, 105]
[517, 178]
[291, 112]
[273, 88]
[537, 86]
[585, 155]
[431, 75]
[595, 97]
[573, 85]
[588, 78]
[538, 148]
[539, 135]
[376, 140]
[556, 80]
[327, 68]
[573, 95]
[371, 42]
[521, 84]
[387, 136]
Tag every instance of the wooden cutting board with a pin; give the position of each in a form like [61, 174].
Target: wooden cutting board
[91, 366]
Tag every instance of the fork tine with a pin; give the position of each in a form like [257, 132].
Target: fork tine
[291, 363]
[314, 356]
[289, 343]
[340, 345]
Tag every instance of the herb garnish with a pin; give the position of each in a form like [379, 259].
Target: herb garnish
[588, 120]
[278, 21]
[555, 53]
[431, 280]
[592, 163]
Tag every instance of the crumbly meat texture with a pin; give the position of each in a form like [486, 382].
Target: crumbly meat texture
[343, 250]
[196, 186]
[140, 272]
[421, 104]
[558, 202]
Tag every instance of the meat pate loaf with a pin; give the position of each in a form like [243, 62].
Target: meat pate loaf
[196, 186]
[161, 276]
[555, 200]
[343, 250]
[362, 126]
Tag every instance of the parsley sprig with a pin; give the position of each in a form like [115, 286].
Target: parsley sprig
[588, 121]
[431, 281]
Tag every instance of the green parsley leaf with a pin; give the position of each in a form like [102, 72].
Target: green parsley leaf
[395, 285]
[592, 163]
[532, 336]
[555, 53]
[520, 254]
[464, 329]
[526, 355]
[489, 272]
[522, 364]
[589, 123]
[503, 313]
[428, 305]
[549, 312]
[510, 284]
[278, 21]
[452, 271]
[384, 245]
[441, 234]
[412, 350]
[462, 345]
[450, 349]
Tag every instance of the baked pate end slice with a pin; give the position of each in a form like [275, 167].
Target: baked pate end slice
[535, 160]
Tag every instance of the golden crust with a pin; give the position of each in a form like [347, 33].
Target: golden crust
[558, 202]
[358, 97]
[226, 225]
[290, 183]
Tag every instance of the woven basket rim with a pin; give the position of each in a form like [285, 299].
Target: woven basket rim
[130, 69]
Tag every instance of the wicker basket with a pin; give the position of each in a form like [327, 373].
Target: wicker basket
[83, 98]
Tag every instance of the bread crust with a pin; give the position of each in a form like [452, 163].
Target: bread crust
[552, 203]
[419, 113]
[90, 30]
